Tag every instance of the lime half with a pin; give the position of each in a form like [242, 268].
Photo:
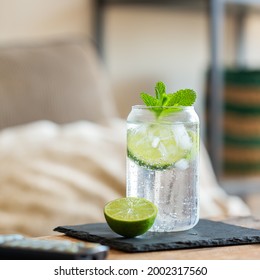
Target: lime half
[158, 146]
[130, 216]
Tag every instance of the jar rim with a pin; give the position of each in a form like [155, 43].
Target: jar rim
[142, 107]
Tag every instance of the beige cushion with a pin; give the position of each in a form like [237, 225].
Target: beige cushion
[59, 174]
[60, 81]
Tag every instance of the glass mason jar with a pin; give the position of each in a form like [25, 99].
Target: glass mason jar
[162, 163]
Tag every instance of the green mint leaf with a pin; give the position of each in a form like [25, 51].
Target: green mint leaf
[165, 104]
[148, 99]
[160, 89]
[167, 111]
[151, 101]
[183, 97]
[170, 100]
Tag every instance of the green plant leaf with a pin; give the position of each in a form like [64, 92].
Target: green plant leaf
[163, 101]
[148, 99]
[167, 111]
[183, 97]
[160, 89]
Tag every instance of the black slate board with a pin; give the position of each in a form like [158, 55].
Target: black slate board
[205, 234]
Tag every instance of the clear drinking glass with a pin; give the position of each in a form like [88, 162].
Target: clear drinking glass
[162, 164]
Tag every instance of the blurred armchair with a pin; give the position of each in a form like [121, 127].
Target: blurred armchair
[62, 81]
[57, 138]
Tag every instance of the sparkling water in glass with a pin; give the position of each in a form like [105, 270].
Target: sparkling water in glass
[162, 164]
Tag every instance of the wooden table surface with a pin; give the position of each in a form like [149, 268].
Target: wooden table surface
[241, 252]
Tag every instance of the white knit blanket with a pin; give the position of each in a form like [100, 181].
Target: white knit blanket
[54, 175]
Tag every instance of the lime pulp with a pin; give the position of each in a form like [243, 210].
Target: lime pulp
[130, 216]
[157, 146]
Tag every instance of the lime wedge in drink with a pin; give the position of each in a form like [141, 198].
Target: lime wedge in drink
[157, 146]
[130, 216]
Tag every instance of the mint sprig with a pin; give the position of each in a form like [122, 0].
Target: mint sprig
[162, 102]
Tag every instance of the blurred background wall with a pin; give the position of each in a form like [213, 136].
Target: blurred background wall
[141, 44]
[36, 19]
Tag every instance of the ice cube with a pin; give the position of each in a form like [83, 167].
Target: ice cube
[182, 164]
[162, 150]
[155, 142]
[182, 137]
